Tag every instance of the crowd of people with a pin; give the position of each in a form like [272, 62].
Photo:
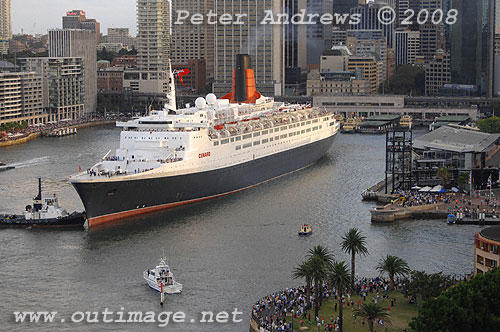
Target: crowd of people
[454, 203]
[271, 312]
[415, 198]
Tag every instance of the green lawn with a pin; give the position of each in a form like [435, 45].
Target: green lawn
[401, 314]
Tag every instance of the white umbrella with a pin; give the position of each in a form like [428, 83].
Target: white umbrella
[454, 189]
[436, 189]
[425, 189]
[416, 188]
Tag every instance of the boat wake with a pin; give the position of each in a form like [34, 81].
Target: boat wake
[31, 162]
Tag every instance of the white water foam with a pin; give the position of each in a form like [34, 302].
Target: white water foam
[31, 162]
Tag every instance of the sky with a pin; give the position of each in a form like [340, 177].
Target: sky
[37, 16]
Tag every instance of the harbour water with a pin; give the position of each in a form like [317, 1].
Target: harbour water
[227, 252]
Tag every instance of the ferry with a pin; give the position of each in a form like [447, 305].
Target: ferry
[216, 147]
[350, 126]
[61, 132]
[406, 121]
[340, 119]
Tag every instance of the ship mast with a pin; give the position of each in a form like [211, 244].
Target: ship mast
[172, 105]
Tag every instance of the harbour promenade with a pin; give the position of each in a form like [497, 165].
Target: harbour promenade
[30, 133]
[469, 210]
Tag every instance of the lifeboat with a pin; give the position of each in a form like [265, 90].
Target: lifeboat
[219, 127]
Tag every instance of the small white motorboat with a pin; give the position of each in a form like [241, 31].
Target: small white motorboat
[162, 279]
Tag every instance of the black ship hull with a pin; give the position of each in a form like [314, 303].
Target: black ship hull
[111, 200]
[73, 220]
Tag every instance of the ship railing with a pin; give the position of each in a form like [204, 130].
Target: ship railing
[113, 158]
[123, 172]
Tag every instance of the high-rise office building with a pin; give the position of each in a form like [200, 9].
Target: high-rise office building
[120, 36]
[77, 19]
[63, 84]
[295, 36]
[437, 73]
[369, 20]
[318, 35]
[153, 34]
[369, 68]
[371, 47]
[472, 44]
[432, 36]
[21, 98]
[193, 41]
[339, 37]
[407, 46]
[402, 7]
[344, 6]
[153, 47]
[263, 42]
[5, 26]
[78, 43]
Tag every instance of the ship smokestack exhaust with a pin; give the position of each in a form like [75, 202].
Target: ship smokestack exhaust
[240, 77]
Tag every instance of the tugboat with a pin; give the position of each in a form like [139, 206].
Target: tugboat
[161, 279]
[305, 230]
[46, 214]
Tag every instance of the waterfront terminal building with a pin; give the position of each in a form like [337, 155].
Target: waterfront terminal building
[486, 245]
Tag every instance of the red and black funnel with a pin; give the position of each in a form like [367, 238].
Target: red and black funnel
[243, 82]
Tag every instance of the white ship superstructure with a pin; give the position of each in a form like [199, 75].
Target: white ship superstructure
[211, 135]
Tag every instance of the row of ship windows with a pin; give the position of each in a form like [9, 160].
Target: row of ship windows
[154, 138]
[276, 138]
[265, 132]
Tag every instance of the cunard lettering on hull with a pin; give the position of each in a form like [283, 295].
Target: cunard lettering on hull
[220, 146]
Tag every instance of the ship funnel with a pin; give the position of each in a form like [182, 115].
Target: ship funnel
[240, 77]
[243, 82]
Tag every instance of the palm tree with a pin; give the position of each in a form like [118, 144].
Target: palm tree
[354, 243]
[304, 270]
[321, 261]
[319, 274]
[444, 175]
[323, 253]
[393, 266]
[371, 311]
[340, 278]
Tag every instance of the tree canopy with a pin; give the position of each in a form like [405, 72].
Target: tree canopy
[426, 286]
[490, 125]
[468, 307]
[406, 80]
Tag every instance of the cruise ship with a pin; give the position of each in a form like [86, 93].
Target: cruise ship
[173, 157]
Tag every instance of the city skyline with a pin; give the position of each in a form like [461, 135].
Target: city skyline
[36, 17]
